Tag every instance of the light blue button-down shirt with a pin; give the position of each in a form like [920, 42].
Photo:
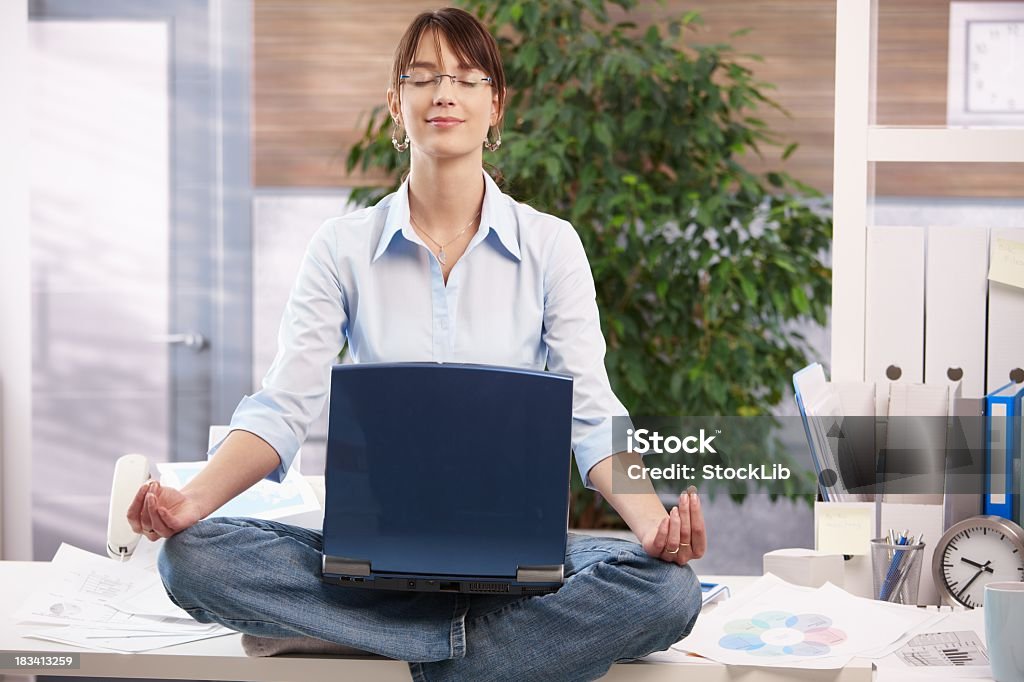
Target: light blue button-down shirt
[521, 295]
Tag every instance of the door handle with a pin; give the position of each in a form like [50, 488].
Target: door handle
[189, 340]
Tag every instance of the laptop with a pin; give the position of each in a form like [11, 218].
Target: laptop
[447, 478]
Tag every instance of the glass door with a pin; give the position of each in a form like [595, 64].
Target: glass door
[131, 235]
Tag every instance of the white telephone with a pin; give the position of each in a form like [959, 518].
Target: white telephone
[130, 472]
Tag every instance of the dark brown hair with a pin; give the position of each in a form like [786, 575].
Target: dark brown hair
[469, 39]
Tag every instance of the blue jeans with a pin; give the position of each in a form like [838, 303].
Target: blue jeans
[263, 578]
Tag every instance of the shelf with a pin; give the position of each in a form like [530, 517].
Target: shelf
[941, 144]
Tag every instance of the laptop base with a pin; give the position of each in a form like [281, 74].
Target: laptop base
[430, 585]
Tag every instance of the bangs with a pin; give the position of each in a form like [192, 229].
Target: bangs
[463, 49]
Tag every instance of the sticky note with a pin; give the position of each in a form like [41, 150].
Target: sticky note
[1007, 262]
[843, 529]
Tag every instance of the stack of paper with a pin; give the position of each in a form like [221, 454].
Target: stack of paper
[98, 603]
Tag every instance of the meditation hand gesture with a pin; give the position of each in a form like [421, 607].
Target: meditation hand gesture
[160, 512]
[681, 534]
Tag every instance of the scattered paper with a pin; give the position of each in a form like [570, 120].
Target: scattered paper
[83, 588]
[105, 638]
[773, 623]
[952, 648]
[106, 604]
[146, 554]
[931, 620]
[941, 649]
[148, 600]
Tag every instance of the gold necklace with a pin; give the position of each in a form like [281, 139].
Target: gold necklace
[440, 254]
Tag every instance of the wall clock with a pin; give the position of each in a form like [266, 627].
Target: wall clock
[986, 60]
[975, 552]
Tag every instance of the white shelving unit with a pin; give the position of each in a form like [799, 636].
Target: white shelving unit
[939, 144]
[859, 145]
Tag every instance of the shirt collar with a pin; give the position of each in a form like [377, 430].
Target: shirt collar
[496, 216]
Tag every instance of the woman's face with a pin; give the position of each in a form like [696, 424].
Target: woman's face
[448, 119]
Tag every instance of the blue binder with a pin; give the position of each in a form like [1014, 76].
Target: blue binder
[1002, 447]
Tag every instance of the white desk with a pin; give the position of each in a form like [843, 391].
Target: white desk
[222, 658]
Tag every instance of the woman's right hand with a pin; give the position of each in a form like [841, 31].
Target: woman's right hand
[160, 512]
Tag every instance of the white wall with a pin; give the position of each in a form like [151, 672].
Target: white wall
[15, 315]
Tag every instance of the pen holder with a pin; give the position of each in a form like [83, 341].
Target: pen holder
[896, 571]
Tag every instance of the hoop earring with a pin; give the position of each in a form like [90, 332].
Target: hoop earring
[399, 146]
[493, 146]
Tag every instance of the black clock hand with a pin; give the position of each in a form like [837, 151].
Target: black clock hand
[977, 565]
[983, 569]
[964, 588]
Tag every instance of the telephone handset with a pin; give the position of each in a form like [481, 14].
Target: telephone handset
[130, 472]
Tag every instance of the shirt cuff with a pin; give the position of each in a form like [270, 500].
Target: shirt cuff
[261, 420]
[602, 442]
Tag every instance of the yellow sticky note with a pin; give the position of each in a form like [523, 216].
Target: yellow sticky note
[1007, 264]
[840, 529]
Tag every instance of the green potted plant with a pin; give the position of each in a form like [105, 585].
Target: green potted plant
[703, 269]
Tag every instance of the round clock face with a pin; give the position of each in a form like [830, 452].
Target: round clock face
[994, 84]
[975, 552]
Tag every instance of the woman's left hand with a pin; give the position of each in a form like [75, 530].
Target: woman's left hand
[681, 535]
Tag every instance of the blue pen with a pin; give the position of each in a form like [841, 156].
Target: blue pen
[905, 566]
[887, 581]
[893, 571]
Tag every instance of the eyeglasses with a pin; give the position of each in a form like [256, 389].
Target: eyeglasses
[423, 79]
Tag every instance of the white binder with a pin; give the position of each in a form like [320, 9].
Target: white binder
[922, 480]
[894, 305]
[956, 288]
[1005, 323]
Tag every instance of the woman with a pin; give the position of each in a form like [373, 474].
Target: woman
[446, 269]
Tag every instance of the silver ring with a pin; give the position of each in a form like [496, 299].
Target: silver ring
[147, 530]
[684, 544]
[674, 551]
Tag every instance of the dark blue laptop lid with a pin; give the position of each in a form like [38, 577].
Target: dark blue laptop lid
[446, 469]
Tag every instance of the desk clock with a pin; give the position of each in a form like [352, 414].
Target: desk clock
[975, 552]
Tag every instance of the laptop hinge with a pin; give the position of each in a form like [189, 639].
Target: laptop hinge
[343, 566]
[540, 574]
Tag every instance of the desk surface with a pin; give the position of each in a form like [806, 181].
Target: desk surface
[222, 658]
